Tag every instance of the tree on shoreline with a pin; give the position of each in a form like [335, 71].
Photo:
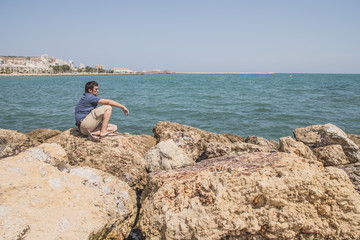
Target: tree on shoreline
[61, 68]
[96, 70]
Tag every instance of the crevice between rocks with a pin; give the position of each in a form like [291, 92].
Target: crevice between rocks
[135, 233]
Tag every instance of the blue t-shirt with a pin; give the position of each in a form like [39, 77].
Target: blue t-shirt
[86, 103]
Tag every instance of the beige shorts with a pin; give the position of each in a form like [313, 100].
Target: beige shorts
[93, 120]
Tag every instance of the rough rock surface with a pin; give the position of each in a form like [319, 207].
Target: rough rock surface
[192, 140]
[272, 146]
[331, 155]
[215, 149]
[121, 156]
[290, 145]
[14, 142]
[323, 135]
[354, 138]
[251, 196]
[40, 135]
[166, 155]
[353, 170]
[38, 201]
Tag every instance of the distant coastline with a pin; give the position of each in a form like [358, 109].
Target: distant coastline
[64, 74]
[134, 73]
[50, 66]
[82, 74]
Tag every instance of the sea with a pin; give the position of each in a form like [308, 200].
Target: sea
[264, 105]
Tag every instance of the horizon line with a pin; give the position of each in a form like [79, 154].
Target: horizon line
[263, 73]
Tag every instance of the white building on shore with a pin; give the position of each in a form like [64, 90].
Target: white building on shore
[122, 70]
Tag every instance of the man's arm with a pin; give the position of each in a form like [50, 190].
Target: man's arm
[114, 104]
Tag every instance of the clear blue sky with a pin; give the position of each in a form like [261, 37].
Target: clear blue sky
[314, 36]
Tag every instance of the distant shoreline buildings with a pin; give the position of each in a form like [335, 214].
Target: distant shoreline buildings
[42, 64]
[46, 65]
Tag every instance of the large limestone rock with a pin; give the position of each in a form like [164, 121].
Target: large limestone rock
[251, 196]
[290, 145]
[166, 155]
[215, 149]
[14, 142]
[192, 140]
[353, 170]
[331, 155]
[270, 146]
[324, 135]
[355, 138]
[38, 201]
[121, 156]
[41, 135]
[250, 144]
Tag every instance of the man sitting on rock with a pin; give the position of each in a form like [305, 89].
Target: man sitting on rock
[93, 121]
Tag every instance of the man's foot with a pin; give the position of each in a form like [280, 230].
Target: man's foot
[93, 137]
[108, 134]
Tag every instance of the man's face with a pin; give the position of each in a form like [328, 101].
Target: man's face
[94, 91]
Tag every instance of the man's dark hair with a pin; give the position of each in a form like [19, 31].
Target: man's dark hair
[90, 85]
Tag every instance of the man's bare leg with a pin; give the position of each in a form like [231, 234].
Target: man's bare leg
[106, 127]
[106, 118]
[112, 128]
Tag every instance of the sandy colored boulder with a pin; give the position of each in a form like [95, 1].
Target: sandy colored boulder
[215, 149]
[355, 138]
[14, 142]
[193, 141]
[38, 201]
[54, 155]
[353, 170]
[121, 156]
[290, 145]
[324, 135]
[331, 155]
[250, 196]
[41, 135]
[166, 155]
[271, 146]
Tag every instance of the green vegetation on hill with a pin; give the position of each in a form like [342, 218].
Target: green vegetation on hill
[61, 69]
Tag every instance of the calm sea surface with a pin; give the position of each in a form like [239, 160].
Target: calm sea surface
[269, 106]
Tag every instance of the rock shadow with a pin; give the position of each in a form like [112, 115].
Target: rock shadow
[76, 133]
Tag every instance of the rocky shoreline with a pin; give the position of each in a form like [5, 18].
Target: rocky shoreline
[180, 183]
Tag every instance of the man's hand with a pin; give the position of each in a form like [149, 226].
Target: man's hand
[114, 104]
[126, 111]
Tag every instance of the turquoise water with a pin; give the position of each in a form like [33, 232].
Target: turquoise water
[270, 106]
